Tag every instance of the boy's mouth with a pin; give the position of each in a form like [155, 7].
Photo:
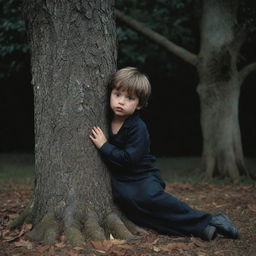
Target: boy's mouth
[119, 109]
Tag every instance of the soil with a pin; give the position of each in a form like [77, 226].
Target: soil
[238, 201]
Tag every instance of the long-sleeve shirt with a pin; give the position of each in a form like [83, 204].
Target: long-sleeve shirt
[128, 152]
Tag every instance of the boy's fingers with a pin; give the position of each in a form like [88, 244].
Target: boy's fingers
[91, 137]
[94, 132]
[98, 129]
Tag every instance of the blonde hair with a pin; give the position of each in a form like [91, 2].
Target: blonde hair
[134, 82]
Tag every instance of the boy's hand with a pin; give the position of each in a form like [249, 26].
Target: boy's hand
[98, 137]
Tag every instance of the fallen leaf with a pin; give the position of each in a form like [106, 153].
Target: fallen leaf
[100, 251]
[25, 227]
[252, 207]
[70, 253]
[155, 242]
[201, 254]
[24, 243]
[156, 249]
[77, 248]
[198, 242]
[117, 241]
[42, 248]
[97, 245]
[60, 245]
[13, 215]
[125, 246]
[182, 246]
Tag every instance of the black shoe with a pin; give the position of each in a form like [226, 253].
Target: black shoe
[209, 233]
[224, 226]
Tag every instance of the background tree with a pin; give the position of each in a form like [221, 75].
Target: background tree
[73, 54]
[219, 83]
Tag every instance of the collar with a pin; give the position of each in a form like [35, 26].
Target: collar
[131, 119]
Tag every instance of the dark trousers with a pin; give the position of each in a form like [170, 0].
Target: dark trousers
[145, 202]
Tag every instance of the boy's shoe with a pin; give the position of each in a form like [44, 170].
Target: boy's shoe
[209, 233]
[224, 226]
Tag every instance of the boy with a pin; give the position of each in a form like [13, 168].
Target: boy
[136, 183]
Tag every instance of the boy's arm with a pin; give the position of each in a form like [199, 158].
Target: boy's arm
[137, 146]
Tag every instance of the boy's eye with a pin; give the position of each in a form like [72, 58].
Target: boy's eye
[130, 98]
[117, 94]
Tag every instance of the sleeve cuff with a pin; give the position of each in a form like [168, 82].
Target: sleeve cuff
[107, 148]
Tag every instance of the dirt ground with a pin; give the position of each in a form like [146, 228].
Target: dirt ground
[237, 201]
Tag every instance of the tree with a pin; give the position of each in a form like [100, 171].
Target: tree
[219, 83]
[73, 54]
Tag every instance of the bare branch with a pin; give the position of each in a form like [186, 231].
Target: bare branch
[246, 71]
[157, 38]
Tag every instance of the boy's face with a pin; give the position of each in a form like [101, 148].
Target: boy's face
[122, 103]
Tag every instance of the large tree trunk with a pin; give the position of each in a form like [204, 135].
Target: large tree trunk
[219, 90]
[73, 50]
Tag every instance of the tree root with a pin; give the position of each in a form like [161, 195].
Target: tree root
[24, 217]
[92, 228]
[46, 231]
[117, 228]
[136, 230]
[73, 233]
[49, 228]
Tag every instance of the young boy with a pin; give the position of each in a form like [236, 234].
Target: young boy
[136, 183]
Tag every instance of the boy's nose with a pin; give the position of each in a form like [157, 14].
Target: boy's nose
[121, 101]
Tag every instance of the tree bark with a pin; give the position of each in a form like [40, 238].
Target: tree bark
[73, 54]
[219, 91]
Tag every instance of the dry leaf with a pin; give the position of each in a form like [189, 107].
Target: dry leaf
[42, 248]
[252, 207]
[24, 243]
[155, 242]
[70, 253]
[117, 241]
[77, 248]
[97, 245]
[100, 251]
[171, 246]
[60, 245]
[201, 254]
[156, 249]
[198, 242]
[125, 246]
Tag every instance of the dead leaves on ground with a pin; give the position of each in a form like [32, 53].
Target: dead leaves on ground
[159, 245]
[237, 200]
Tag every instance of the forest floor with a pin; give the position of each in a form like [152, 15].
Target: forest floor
[238, 201]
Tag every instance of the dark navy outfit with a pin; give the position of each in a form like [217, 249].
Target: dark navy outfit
[138, 188]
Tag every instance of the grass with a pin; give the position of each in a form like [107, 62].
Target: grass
[16, 167]
[19, 168]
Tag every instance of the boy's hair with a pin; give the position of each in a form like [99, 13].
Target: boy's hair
[134, 82]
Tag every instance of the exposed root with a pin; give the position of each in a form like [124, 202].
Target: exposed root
[49, 228]
[73, 233]
[92, 228]
[117, 228]
[46, 231]
[23, 217]
[136, 230]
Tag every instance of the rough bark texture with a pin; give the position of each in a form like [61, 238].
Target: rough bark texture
[219, 90]
[73, 54]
